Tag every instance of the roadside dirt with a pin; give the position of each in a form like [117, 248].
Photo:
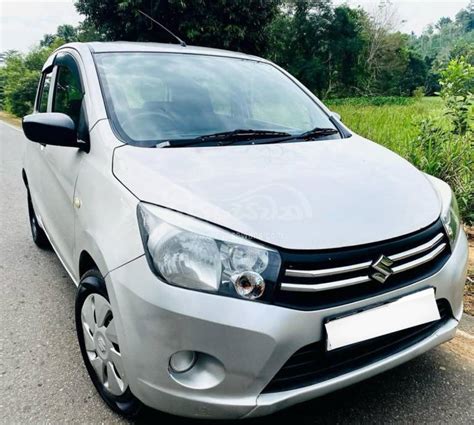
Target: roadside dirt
[462, 345]
[10, 119]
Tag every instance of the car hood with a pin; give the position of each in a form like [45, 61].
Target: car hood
[301, 195]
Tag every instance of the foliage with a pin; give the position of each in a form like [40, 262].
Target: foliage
[447, 39]
[299, 42]
[344, 51]
[84, 32]
[457, 87]
[67, 33]
[419, 92]
[450, 157]
[20, 77]
[20, 99]
[321, 45]
[235, 25]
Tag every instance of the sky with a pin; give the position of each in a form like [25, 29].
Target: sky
[415, 15]
[23, 22]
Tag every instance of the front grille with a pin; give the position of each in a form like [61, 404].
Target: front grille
[315, 279]
[313, 364]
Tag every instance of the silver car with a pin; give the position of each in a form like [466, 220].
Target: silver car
[236, 248]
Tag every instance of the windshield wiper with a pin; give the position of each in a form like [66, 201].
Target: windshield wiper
[317, 132]
[239, 135]
[228, 137]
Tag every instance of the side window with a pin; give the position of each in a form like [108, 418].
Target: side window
[68, 93]
[43, 99]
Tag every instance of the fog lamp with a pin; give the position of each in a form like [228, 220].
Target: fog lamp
[182, 361]
[249, 285]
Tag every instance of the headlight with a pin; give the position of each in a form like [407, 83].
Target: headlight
[449, 211]
[187, 252]
[451, 220]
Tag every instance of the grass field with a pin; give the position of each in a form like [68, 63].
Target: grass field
[394, 126]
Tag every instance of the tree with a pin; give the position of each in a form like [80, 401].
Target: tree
[47, 40]
[443, 22]
[415, 75]
[84, 32]
[20, 77]
[346, 46]
[299, 42]
[448, 40]
[385, 56]
[67, 33]
[235, 25]
[465, 17]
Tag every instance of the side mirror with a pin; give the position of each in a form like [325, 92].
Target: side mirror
[51, 128]
[336, 115]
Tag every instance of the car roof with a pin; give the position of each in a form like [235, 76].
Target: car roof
[131, 46]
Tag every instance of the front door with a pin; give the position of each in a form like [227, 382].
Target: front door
[61, 164]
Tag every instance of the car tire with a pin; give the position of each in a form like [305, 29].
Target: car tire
[37, 233]
[101, 351]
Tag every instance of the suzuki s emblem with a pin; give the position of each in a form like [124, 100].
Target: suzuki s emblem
[381, 269]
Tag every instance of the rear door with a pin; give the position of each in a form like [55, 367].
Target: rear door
[61, 164]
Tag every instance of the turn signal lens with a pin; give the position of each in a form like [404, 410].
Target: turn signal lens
[249, 285]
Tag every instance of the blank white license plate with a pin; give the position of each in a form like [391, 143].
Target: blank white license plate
[411, 310]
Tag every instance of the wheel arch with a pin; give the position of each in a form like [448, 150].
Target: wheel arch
[86, 263]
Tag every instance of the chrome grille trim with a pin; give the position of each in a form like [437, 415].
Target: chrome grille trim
[360, 266]
[327, 272]
[418, 250]
[340, 283]
[419, 261]
[318, 287]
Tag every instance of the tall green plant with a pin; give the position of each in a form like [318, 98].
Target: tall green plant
[450, 157]
[457, 87]
[446, 150]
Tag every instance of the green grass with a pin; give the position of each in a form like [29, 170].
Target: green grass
[374, 101]
[391, 125]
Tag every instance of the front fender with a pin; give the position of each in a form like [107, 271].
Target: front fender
[106, 223]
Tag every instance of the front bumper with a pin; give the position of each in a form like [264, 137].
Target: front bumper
[244, 344]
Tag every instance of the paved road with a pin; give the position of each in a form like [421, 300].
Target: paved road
[42, 379]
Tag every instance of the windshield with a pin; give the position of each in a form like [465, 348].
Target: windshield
[153, 97]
